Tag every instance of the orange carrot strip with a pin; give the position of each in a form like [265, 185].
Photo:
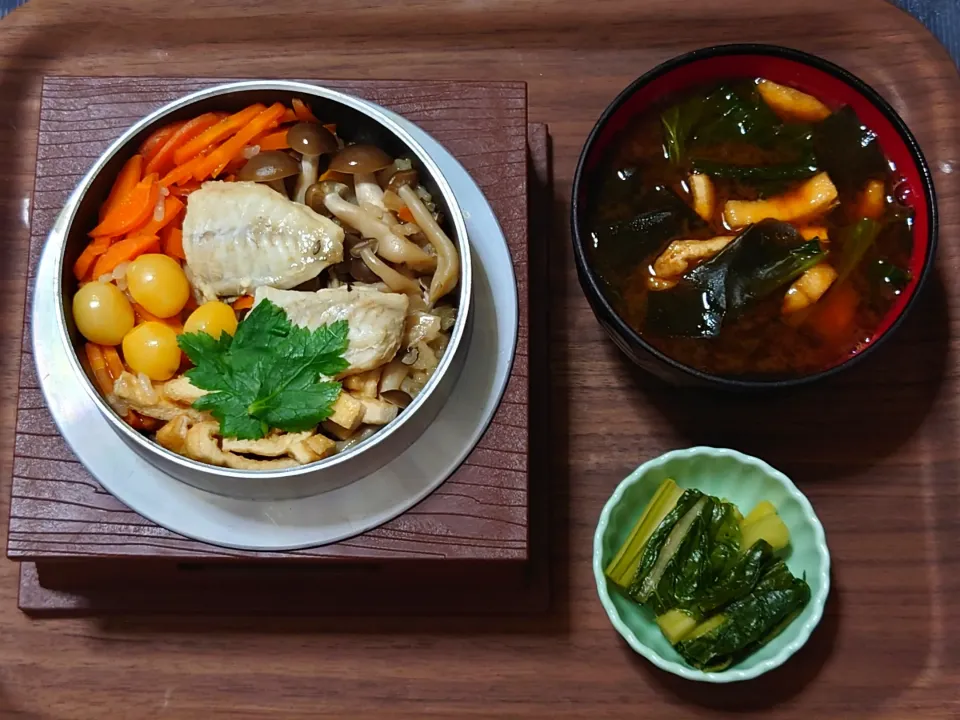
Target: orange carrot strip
[182, 191]
[172, 206]
[152, 144]
[144, 315]
[141, 422]
[405, 214]
[123, 251]
[244, 302]
[172, 243]
[182, 173]
[84, 263]
[163, 160]
[216, 161]
[303, 111]
[274, 141]
[132, 211]
[212, 135]
[114, 363]
[332, 127]
[127, 179]
[288, 116]
[98, 366]
[335, 176]
[833, 317]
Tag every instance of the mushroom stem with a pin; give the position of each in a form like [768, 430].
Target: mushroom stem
[309, 167]
[391, 246]
[368, 190]
[394, 280]
[448, 261]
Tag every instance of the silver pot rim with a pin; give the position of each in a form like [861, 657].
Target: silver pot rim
[57, 241]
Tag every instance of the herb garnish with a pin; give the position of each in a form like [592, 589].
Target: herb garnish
[271, 374]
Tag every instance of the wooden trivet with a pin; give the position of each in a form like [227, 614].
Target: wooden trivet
[60, 512]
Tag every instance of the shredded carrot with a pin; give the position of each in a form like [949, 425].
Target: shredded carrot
[152, 144]
[289, 116]
[405, 214]
[274, 141]
[132, 211]
[98, 366]
[335, 176]
[229, 178]
[172, 206]
[216, 161]
[162, 162]
[84, 263]
[235, 164]
[183, 174]
[303, 111]
[144, 315]
[172, 243]
[244, 302]
[332, 127]
[181, 191]
[221, 131]
[127, 179]
[191, 304]
[834, 315]
[124, 251]
[113, 361]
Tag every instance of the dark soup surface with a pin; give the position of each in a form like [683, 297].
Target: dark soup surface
[748, 230]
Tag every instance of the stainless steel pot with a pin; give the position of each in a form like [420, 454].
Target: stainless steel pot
[357, 120]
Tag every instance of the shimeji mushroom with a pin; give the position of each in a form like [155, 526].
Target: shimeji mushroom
[311, 141]
[270, 167]
[390, 246]
[448, 261]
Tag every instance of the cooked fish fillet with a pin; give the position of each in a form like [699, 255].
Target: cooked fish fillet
[238, 236]
[375, 319]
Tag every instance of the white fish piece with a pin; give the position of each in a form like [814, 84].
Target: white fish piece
[375, 319]
[238, 236]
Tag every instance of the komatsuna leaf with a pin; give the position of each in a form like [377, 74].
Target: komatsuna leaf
[651, 551]
[724, 538]
[749, 622]
[764, 257]
[737, 580]
[685, 574]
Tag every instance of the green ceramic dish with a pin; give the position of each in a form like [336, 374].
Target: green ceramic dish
[745, 481]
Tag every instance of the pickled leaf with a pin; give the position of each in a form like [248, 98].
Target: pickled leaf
[764, 257]
[724, 539]
[737, 580]
[749, 622]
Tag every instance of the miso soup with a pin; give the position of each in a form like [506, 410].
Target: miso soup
[749, 230]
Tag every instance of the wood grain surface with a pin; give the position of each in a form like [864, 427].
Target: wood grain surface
[876, 451]
[59, 510]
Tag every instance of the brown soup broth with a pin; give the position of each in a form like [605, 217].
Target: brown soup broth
[757, 342]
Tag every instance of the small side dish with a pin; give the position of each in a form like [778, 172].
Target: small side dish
[748, 230]
[709, 575]
[259, 293]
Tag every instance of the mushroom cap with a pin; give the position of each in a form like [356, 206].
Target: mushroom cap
[311, 139]
[360, 159]
[268, 166]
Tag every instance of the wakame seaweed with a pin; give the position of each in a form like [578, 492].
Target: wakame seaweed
[848, 150]
[762, 258]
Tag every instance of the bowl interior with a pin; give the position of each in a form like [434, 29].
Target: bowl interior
[745, 482]
[829, 83]
[353, 125]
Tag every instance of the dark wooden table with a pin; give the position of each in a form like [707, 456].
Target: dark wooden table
[877, 451]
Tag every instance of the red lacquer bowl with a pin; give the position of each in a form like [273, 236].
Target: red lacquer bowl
[832, 85]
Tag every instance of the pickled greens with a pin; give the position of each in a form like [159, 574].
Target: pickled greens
[710, 576]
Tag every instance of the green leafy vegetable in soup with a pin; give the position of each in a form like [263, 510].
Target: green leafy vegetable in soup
[709, 576]
[730, 228]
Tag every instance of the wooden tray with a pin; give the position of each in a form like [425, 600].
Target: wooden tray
[59, 511]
